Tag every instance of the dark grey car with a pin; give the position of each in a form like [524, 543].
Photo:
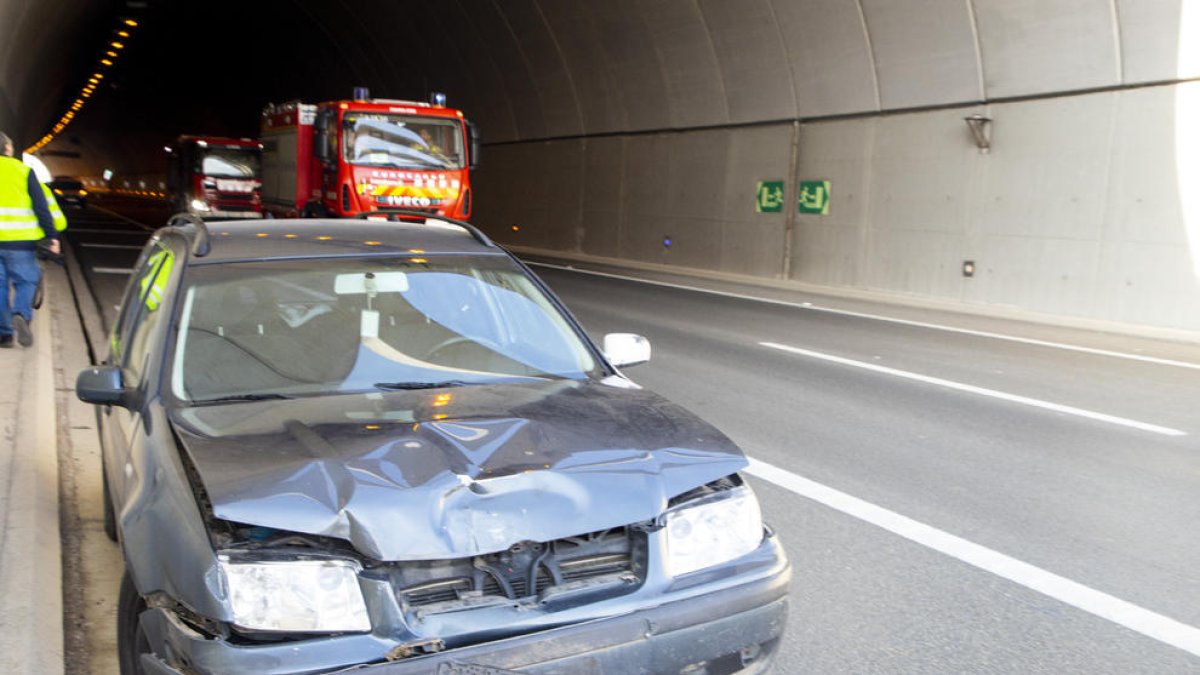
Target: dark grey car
[69, 191]
[342, 445]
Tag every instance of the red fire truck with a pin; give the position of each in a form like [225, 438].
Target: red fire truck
[216, 177]
[345, 158]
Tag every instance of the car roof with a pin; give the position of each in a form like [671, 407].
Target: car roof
[322, 238]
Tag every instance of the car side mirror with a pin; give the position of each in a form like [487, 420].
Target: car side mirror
[101, 385]
[475, 145]
[626, 349]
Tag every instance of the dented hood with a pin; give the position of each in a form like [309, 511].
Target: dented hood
[454, 472]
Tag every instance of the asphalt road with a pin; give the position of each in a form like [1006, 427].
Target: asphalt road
[951, 501]
[1109, 506]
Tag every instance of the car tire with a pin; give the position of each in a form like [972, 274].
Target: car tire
[110, 513]
[131, 639]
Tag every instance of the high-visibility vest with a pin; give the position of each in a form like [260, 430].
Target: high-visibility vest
[60, 220]
[18, 222]
[155, 282]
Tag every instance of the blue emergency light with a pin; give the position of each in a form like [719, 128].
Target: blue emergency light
[361, 93]
[438, 98]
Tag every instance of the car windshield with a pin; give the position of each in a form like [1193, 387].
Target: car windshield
[373, 139]
[310, 327]
[230, 162]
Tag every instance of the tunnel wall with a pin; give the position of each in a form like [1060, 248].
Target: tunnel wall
[1076, 210]
[39, 39]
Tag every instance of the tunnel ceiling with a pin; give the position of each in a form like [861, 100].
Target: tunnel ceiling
[533, 69]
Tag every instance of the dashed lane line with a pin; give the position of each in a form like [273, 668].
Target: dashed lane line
[981, 391]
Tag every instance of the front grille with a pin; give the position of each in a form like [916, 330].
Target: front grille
[227, 200]
[609, 561]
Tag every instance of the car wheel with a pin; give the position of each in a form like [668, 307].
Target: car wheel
[131, 638]
[110, 514]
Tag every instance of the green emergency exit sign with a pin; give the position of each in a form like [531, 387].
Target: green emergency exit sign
[768, 196]
[813, 197]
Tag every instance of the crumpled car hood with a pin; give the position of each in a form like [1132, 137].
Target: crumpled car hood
[448, 473]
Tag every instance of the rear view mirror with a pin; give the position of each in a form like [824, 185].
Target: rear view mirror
[101, 385]
[476, 143]
[626, 349]
[371, 282]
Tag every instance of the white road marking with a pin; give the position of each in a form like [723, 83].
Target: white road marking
[959, 386]
[113, 270]
[131, 247]
[889, 319]
[1123, 613]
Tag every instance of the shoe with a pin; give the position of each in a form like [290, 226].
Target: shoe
[6, 342]
[21, 326]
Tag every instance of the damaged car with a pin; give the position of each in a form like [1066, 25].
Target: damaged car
[387, 447]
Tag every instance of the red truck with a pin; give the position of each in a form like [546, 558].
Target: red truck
[345, 158]
[216, 177]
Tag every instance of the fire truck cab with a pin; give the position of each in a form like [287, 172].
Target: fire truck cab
[346, 158]
[216, 177]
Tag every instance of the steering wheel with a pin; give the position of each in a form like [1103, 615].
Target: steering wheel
[459, 339]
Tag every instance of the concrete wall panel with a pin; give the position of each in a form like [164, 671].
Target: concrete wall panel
[920, 182]
[639, 87]
[604, 163]
[925, 51]
[1054, 276]
[1143, 200]
[1046, 176]
[541, 56]
[1150, 40]
[754, 64]
[696, 197]
[695, 86]
[501, 46]
[830, 58]
[753, 242]
[1033, 46]
[1149, 284]
[497, 119]
[644, 208]
[584, 55]
[831, 249]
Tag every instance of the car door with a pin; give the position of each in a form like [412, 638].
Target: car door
[134, 347]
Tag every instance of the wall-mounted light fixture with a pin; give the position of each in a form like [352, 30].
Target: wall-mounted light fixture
[981, 131]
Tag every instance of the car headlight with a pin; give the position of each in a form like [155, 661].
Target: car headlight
[712, 530]
[199, 205]
[296, 595]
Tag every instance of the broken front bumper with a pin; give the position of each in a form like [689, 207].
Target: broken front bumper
[735, 629]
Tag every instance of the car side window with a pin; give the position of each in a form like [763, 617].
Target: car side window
[146, 298]
[128, 311]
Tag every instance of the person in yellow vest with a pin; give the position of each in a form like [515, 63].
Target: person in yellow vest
[25, 219]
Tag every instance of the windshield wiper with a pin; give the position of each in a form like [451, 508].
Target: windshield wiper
[269, 396]
[423, 385]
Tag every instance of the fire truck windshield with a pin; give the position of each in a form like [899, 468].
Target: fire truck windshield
[229, 162]
[374, 139]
